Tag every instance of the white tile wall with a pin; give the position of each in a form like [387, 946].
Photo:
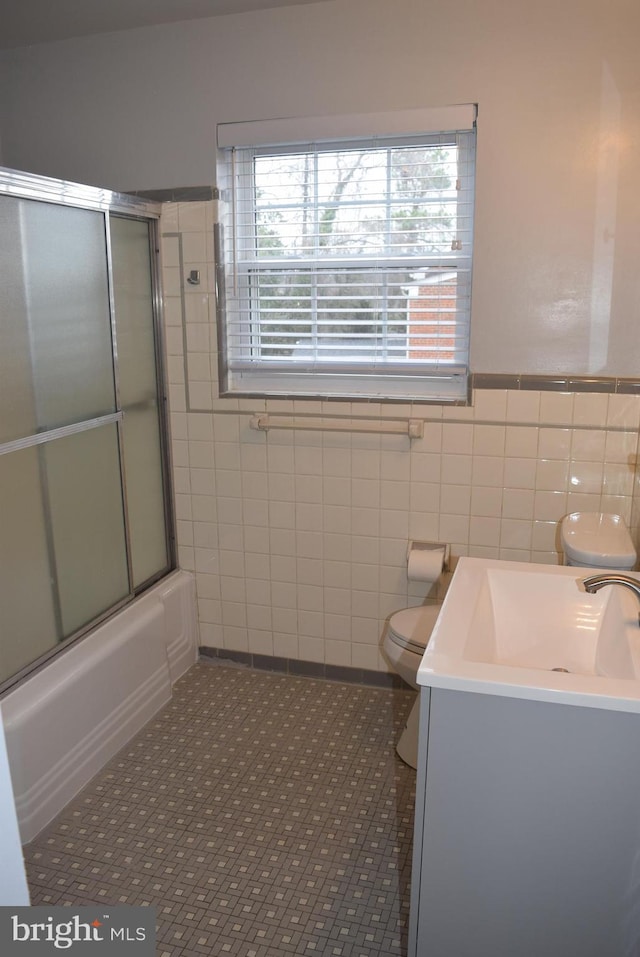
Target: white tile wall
[298, 538]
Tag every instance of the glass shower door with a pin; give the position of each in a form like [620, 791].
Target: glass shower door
[82, 490]
[138, 395]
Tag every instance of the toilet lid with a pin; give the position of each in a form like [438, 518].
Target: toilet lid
[411, 628]
[598, 539]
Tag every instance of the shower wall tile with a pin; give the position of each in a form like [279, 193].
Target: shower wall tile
[515, 534]
[489, 440]
[623, 412]
[520, 473]
[518, 504]
[554, 443]
[486, 502]
[551, 474]
[556, 408]
[298, 536]
[523, 407]
[192, 217]
[590, 409]
[491, 404]
[487, 471]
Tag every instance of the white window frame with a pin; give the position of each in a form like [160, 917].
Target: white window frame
[445, 382]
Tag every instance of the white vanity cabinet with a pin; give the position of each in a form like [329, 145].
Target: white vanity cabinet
[527, 837]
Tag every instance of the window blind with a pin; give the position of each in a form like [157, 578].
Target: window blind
[348, 267]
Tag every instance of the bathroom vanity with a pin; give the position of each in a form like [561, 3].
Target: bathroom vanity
[527, 837]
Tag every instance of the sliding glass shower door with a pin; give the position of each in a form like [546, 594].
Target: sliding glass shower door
[84, 514]
[138, 395]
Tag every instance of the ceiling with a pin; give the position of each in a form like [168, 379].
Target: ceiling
[25, 22]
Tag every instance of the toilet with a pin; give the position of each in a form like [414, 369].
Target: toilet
[404, 644]
[597, 540]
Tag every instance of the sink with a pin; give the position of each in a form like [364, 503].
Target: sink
[532, 631]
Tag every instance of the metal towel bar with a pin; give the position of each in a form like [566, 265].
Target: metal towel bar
[414, 428]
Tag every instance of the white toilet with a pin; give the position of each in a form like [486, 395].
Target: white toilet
[404, 643]
[597, 540]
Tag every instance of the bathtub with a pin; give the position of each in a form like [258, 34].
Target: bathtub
[67, 720]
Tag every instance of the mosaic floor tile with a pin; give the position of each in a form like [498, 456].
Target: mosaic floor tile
[262, 814]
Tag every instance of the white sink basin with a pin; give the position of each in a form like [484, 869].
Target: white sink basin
[505, 627]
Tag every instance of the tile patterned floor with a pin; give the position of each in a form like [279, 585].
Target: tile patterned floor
[263, 815]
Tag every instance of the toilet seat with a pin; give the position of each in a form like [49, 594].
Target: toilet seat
[411, 628]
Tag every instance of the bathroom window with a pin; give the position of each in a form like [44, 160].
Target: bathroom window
[347, 261]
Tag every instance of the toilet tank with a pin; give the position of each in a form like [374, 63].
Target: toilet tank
[597, 540]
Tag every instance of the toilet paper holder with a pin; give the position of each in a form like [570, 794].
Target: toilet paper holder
[431, 547]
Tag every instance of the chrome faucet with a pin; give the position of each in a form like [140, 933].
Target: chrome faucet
[593, 584]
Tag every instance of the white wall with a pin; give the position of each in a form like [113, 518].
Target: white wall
[556, 284]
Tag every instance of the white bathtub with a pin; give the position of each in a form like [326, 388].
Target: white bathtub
[66, 721]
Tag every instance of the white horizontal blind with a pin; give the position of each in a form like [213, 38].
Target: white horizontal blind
[349, 268]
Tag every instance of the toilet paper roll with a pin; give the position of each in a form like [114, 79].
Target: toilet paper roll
[425, 564]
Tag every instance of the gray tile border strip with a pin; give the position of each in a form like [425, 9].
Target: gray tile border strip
[544, 383]
[489, 380]
[305, 669]
[591, 384]
[628, 387]
[555, 383]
